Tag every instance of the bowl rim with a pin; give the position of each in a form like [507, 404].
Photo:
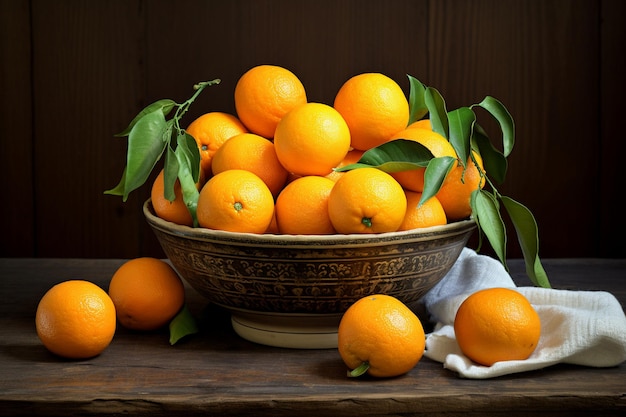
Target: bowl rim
[306, 241]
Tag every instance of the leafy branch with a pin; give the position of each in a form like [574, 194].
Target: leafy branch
[461, 129]
[150, 136]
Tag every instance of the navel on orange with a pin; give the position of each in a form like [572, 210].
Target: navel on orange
[381, 335]
[75, 319]
[147, 293]
[497, 324]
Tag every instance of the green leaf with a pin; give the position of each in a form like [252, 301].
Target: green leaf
[119, 188]
[417, 105]
[188, 157]
[359, 370]
[437, 111]
[528, 237]
[170, 174]
[487, 213]
[504, 118]
[435, 174]
[494, 162]
[145, 147]
[393, 156]
[461, 124]
[183, 324]
[165, 105]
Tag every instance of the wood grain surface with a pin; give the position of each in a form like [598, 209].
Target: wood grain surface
[215, 372]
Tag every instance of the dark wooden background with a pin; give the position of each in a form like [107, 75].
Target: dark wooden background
[73, 73]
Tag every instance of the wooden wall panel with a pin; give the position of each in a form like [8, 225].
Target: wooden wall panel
[609, 194]
[73, 73]
[541, 60]
[87, 83]
[16, 146]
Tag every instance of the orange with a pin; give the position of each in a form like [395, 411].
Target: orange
[147, 293]
[456, 191]
[374, 106]
[430, 213]
[173, 211]
[312, 139]
[75, 319]
[497, 324]
[237, 201]
[366, 200]
[210, 131]
[381, 333]
[253, 153]
[302, 207]
[351, 157]
[422, 124]
[264, 94]
[438, 145]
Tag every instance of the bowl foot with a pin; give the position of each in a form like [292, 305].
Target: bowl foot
[296, 331]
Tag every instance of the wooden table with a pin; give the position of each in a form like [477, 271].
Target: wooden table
[217, 373]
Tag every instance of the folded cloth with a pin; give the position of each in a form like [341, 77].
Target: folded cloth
[577, 327]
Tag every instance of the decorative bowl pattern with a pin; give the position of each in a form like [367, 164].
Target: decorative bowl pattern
[308, 275]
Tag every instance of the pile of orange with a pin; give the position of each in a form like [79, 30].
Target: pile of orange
[76, 319]
[278, 137]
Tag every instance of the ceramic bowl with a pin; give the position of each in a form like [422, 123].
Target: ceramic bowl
[297, 287]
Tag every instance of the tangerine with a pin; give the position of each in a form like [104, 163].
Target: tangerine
[312, 139]
[381, 335]
[210, 131]
[75, 319]
[497, 324]
[264, 94]
[302, 207]
[253, 153]
[430, 213]
[235, 200]
[374, 107]
[366, 200]
[147, 293]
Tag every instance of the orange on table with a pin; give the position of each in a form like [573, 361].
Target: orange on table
[264, 94]
[374, 107]
[497, 324]
[430, 213]
[351, 157]
[237, 201]
[147, 293]
[75, 319]
[302, 207]
[210, 131]
[366, 200]
[312, 139]
[438, 145]
[456, 191]
[173, 211]
[382, 332]
[253, 153]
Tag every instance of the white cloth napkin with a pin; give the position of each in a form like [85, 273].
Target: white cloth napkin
[577, 327]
